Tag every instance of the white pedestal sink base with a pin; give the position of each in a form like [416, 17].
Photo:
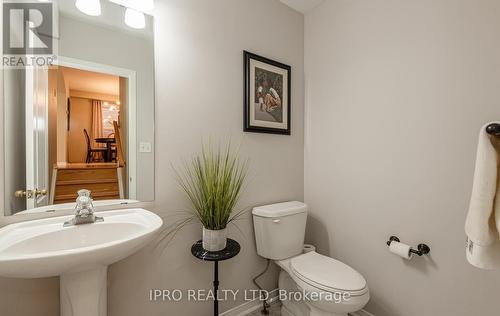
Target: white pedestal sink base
[84, 293]
[79, 254]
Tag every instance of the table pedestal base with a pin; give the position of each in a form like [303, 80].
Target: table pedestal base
[231, 250]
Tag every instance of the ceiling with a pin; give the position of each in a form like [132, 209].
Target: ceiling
[303, 6]
[88, 81]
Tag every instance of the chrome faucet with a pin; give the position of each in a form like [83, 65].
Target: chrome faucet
[84, 210]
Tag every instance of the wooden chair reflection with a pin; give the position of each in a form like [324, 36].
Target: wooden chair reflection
[91, 152]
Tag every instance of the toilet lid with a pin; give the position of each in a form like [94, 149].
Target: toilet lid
[327, 273]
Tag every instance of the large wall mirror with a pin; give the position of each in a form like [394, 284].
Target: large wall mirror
[87, 122]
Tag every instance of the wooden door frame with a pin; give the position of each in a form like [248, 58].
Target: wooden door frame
[131, 77]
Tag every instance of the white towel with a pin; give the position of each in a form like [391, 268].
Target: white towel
[482, 225]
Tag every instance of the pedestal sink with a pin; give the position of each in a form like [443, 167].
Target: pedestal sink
[79, 254]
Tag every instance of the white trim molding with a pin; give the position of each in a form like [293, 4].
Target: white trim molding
[361, 313]
[132, 110]
[247, 308]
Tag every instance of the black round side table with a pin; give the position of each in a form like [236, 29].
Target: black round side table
[231, 250]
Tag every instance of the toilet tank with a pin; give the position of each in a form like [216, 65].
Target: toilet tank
[280, 229]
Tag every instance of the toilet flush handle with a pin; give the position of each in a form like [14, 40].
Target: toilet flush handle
[276, 221]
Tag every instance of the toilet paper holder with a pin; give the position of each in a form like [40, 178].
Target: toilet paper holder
[422, 249]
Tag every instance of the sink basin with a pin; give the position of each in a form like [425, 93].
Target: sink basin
[79, 254]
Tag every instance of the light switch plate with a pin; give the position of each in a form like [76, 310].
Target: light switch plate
[144, 147]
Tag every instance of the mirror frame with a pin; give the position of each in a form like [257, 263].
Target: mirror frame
[132, 150]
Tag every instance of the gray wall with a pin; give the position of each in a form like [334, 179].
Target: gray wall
[199, 84]
[396, 93]
[199, 96]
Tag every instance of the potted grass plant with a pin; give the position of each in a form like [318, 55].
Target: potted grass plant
[213, 181]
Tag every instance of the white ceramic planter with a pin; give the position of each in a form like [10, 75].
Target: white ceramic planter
[214, 240]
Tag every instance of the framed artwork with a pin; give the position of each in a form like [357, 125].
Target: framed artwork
[267, 95]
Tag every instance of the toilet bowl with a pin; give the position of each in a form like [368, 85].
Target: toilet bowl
[310, 284]
[326, 286]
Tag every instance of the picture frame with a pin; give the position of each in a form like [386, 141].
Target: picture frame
[267, 97]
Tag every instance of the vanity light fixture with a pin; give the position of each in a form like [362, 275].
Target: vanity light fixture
[135, 10]
[135, 19]
[134, 13]
[89, 7]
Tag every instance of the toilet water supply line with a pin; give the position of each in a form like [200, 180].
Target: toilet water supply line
[265, 304]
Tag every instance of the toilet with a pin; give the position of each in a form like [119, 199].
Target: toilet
[310, 284]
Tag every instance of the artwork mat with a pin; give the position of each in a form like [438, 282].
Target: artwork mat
[283, 72]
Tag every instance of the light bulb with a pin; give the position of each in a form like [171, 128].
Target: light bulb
[89, 7]
[135, 19]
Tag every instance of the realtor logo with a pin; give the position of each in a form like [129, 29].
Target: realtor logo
[27, 28]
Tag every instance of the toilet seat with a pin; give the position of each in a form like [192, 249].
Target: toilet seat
[328, 274]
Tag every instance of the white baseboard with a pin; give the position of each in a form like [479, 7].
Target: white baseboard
[251, 306]
[361, 313]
